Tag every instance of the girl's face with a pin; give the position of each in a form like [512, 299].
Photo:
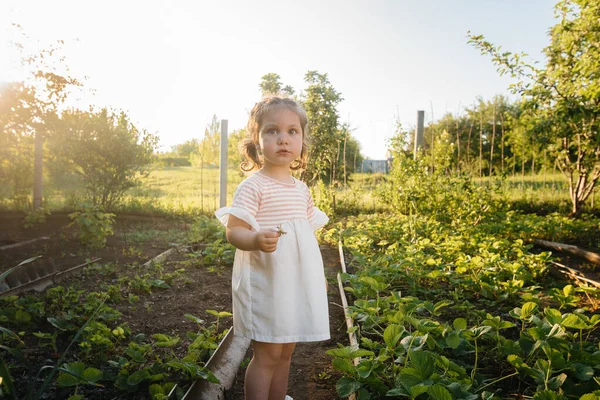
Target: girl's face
[280, 138]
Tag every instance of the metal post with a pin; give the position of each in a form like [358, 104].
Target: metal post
[419, 132]
[37, 170]
[223, 165]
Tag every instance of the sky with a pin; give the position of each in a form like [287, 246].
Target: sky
[173, 64]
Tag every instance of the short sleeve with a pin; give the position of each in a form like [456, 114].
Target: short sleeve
[316, 217]
[246, 200]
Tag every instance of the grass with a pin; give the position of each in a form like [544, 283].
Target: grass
[544, 192]
[192, 191]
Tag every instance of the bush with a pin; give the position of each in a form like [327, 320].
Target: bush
[94, 225]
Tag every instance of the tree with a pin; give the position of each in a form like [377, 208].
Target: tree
[270, 84]
[208, 150]
[16, 141]
[26, 109]
[186, 148]
[234, 156]
[563, 99]
[106, 149]
[320, 102]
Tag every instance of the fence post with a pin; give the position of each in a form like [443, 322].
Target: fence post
[419, 132]
[223, 165]
[37, 170]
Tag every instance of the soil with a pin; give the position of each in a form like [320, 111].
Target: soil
[311, 375]
[124, 246]
[199, 288]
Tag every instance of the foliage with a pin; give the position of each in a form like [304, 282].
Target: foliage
[26, 110]
[106, 149]
[35, 217]
[459, 310]
[94, 225]
[186, 148]
[561, 99]
[412, 188]
[208, 150]
[320, 102]
[270, 84]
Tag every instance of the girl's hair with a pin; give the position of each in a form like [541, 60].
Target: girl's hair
[250, 148]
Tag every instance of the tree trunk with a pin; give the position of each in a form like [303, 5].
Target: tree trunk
[493, 139]
[481, 145]
[469, 144]
[457, 146]
[502, 138]
[345, 172]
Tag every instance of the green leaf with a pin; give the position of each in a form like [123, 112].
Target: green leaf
[346, 386]
[438, 392]
[453, 340]
[418, 389]
[22, 317]
[557, 381]
[156, 389]
[361, 353]
[343, 365]
[409, 377]
[460, 324]
[159, 283]
[583, 372]
[553, 316]
[591, 396]
[392, 334]
[548, 395]
[423, 363]
[363, 394]
[343, 352]
[194, 318]
[575, 321]
[92, 375]
[137, 377]
[528, 309]
[66, 380]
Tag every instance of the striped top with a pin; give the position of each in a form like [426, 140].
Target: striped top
[272, 202]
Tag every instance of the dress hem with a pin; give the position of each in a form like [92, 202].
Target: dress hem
[285, 339]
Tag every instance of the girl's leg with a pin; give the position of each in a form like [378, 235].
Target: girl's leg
[261, 369]
[279, 382]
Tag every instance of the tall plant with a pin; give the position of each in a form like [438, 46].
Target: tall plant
[106, 149]
[320, 102]
[563, 97]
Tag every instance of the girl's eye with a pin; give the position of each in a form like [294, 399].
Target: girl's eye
[293, 131]
[272, 131]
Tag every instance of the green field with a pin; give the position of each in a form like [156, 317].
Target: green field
[192, 191]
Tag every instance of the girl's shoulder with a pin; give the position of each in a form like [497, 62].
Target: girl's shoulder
[251, 182]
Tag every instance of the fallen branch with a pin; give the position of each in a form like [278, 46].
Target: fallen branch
[567, 248]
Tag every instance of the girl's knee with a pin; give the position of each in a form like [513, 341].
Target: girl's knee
[287, 351]
[267, 354]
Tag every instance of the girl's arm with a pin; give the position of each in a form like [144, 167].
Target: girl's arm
[239, 234]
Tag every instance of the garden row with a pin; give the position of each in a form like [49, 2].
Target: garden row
[463, 308]
[116, 330]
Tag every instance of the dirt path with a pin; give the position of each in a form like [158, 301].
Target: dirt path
[311, 374]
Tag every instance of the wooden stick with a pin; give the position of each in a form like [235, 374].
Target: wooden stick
[577, 251]
[574, 274]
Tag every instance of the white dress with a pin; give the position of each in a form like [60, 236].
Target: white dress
[279, 297]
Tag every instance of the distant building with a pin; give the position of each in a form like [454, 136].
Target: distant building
[371, 166]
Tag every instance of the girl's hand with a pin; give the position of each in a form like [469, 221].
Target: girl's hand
[267, 240]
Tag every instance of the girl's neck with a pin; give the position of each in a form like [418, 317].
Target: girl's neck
[278, 173]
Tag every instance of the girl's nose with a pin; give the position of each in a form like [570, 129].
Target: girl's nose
[283, 139]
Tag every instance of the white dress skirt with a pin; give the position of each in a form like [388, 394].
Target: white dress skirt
[280, 297]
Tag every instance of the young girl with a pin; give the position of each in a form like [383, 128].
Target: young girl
[278, 281]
